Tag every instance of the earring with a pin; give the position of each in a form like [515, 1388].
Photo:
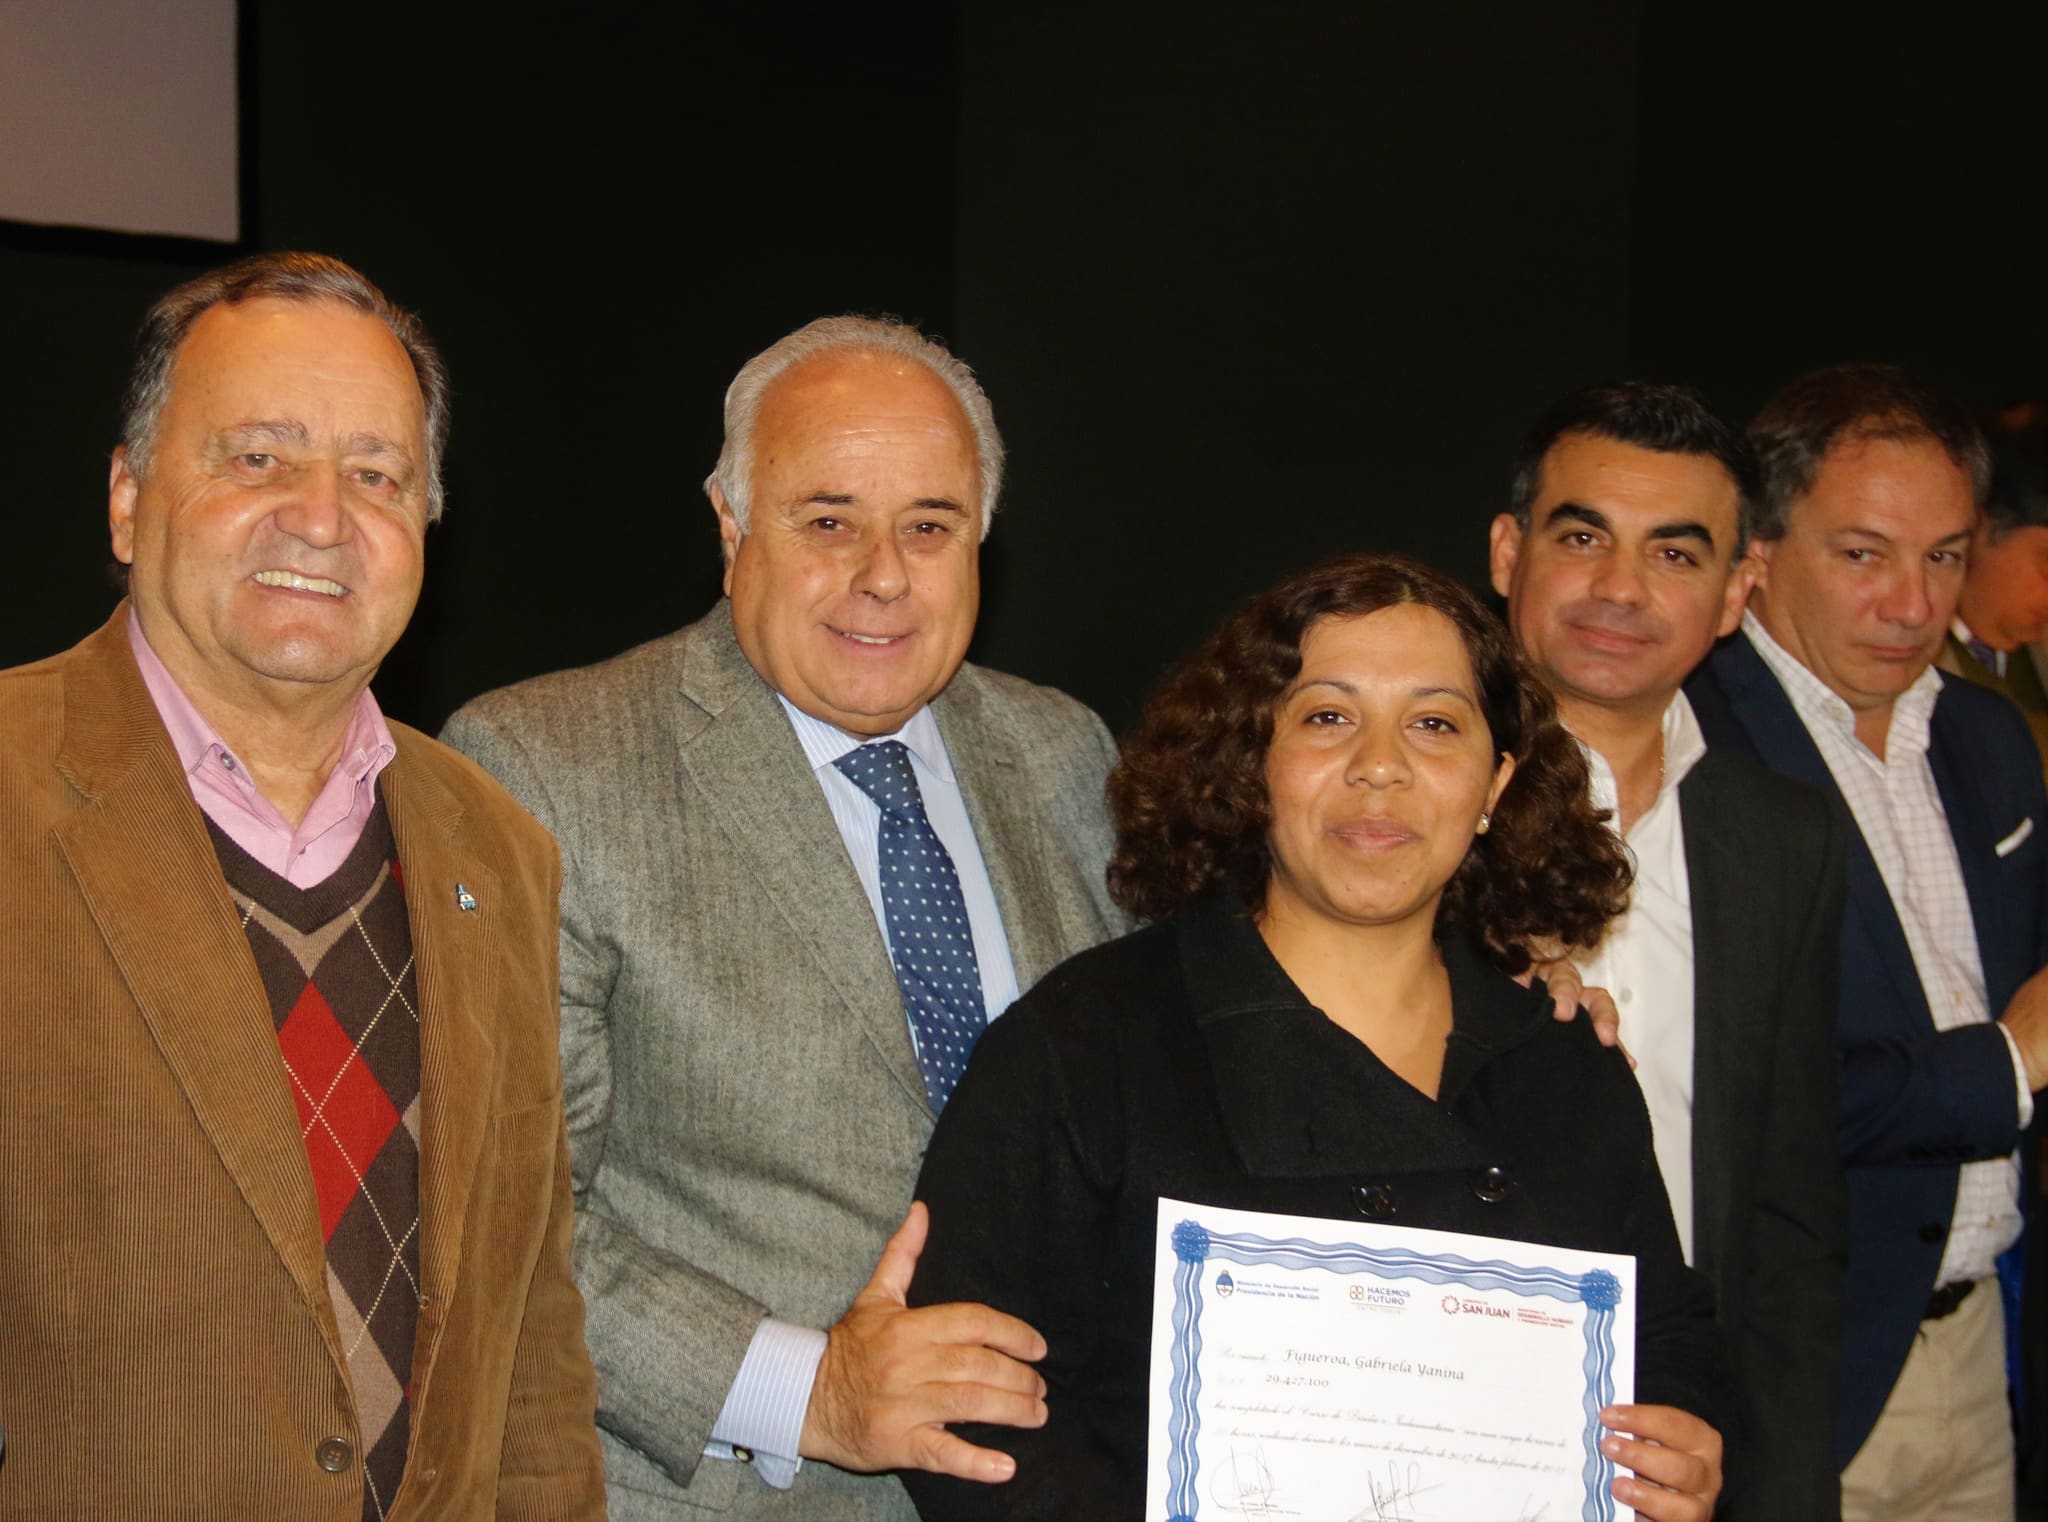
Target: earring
[1485, 821]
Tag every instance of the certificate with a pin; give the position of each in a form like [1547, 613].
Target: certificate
[1312, 1369]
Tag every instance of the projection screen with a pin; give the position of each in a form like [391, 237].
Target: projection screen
[120, 116]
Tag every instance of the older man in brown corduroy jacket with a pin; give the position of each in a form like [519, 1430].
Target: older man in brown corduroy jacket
[284, 1196]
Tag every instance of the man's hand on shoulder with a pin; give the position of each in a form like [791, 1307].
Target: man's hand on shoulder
[892, 1377]
[1568, 992]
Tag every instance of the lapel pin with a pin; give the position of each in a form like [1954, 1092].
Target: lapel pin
[464, 899]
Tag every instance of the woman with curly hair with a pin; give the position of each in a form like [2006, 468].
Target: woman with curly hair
[1350, 816]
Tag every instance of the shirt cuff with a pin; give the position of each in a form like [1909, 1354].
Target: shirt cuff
[763, 1415]
[2019, 1066]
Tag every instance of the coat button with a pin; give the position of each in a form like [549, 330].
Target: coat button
[1493, 1183]
[1933, 1232]
[1376, 1200]
[333, 1454]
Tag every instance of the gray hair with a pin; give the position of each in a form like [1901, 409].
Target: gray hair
[288, 277]
[733, 475]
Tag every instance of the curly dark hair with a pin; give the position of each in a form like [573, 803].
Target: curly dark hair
[1189, 794]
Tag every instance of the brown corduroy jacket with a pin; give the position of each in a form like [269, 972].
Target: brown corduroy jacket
[167, 1345]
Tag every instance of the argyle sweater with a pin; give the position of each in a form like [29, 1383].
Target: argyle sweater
[337, 963]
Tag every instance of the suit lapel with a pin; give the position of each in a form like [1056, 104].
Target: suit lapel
[750, 772]
[1976, 834]
[1766, 714]
[2023, 684]
[147, 869]
[453, 950]
[1719, 875]
[1963, 805]
[1781, 741]
[2036, 657]
[2020, 686]
[985, 755]
[1957, 661]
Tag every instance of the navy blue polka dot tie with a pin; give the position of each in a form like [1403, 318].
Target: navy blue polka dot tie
[930, 941]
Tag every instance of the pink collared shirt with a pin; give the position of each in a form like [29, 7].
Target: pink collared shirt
[221, 787]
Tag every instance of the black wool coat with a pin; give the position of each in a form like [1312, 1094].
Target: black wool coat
[1182, 1061]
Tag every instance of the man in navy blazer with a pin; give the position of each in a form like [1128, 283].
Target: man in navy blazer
[1871, 490]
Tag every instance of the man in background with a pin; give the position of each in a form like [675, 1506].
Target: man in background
[1622, 560]
[1871, 486]
[1994, 639]
[809, 854]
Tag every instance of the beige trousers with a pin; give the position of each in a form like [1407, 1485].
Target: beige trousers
[1942, 1448]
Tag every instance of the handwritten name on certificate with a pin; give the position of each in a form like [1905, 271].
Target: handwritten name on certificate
[1316, 1369]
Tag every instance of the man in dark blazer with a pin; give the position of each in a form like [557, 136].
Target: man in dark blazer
[748, 1090]
[285, 1218]
[1870, 492]
[1622, 558]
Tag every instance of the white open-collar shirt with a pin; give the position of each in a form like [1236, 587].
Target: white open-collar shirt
[1645, 960]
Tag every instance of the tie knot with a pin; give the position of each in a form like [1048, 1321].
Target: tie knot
[884, 773]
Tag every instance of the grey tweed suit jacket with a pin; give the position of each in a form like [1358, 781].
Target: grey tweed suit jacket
[746, 1115]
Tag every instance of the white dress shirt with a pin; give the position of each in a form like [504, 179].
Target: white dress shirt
[763, 1415]
[1898, 810]
[1645, 961]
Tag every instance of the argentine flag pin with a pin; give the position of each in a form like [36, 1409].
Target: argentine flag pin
[464, 899]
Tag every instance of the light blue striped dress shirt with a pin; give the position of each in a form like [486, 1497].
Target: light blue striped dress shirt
[763, 1413]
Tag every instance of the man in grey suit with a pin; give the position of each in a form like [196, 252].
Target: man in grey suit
[1622, 559]
[759, 816]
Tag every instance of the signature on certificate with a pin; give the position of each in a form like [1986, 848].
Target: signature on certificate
[1390, 1497]
[1247, 1488]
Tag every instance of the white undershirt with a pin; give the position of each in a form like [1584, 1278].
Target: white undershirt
[1646, 959]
